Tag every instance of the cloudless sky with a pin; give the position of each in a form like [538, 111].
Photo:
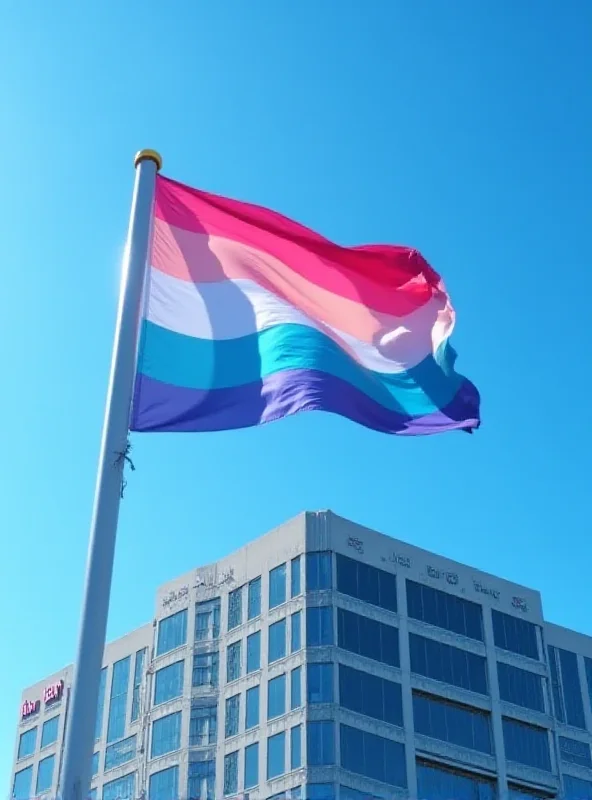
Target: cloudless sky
[462, 128]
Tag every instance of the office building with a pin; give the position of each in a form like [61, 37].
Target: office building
[326, 661]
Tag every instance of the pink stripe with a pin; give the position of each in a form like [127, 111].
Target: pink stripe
[199, 258]
[386, 278]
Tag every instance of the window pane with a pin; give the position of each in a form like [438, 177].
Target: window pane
[235, 608]
[163, 785]
[254, 599]
[203, 725]
[444, 610]
[118, 703]
[122, 788]
[172, 632]
[277, 586]
[572, 693]
[369, 584]
[45, 774]
[202, 780]
[233, 662]
[320, 743]
[207, 620]
[295, 588]
[373, 756]
[21, 788]
[319, 626]
[526, 744]
[95, 764]
[252, 708]
[577, 788]
[296, 688]
[27, 743]
[168, 682]
[448, 664]
[521, 687]
[119, 753]
[452, 722]
[205, 670]
[319, 679]
[253, 652]
[276, 755]
[138, 676]
[251, 765]
[572, 751]
[514, 634]
[276, 697]
[296, 632]
[318, 571]
[368, 637]
[435, 782]
[166, 734]
[231, 719]
[231, 773]
[277, 641]
[295, 747]
[370, 695]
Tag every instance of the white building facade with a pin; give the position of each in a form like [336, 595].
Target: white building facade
[326, 661]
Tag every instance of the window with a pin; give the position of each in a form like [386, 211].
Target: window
[251, 765]
[521, 793]
[444, 610]
[296, 688]
[277, 641]
[164, 785]
[27, 743]
[368, 637]
[436, 782]
[21, 788]
[168, 682]
[202, 780]
[572, 751]
[118, 704]
[172, 632]
[296, 632]
[565, 682]
[526, 744]
[576, 788]
[254, 599]
[369, 584]
[277, 586]
[92, 795]
[203, 725]
[252, 708]
[205, 669]
[100, 704]
[319, 681]
[95, 765]
[138, 674]
[166, 734]
[49, 731]
[514, 634]
[322, 791]
[235, 608]
[231, 716]
[347, 793]
[319, 626]
[118, 753]
[521, 687]
[45, 774]
[253, 652]
[318, 571]
[122, 788]
[295, 587]
[295, 747]
[231, 773]
[320, 743]
[448, 664]
[276, 697]
[207, 620]
[370, 695]
[452, 722]
[276, 755]
[233, 662]
[373, 756]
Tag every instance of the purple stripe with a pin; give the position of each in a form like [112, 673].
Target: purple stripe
[162, 407]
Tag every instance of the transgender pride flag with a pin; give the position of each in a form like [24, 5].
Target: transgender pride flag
[250, 317]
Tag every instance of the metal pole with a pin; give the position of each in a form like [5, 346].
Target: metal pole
[80, 729]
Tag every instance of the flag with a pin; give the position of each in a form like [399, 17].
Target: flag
[250, 317]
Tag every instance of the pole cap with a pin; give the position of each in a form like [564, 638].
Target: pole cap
[148, 155]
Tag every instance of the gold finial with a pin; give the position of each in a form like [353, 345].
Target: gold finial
[148, 155]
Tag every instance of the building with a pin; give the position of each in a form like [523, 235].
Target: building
[328, 661]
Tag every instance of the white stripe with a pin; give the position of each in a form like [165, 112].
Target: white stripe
[232, 309]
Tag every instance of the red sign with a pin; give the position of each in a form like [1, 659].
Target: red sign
[29, 707]
[53, 692]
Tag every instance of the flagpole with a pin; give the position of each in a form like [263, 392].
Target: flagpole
[80, 729]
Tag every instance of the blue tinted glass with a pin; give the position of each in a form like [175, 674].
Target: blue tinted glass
[203, 724]
[205, 669]
[253, 652]
[319, 626]
[207, 620]
[254, 599]
[138, 674]
[296, 632]
[448, 664]
[231, 773]
[321, 791]
[164, 785]
[276, 755]
[277, 586]
[233, 662]
[438, 783]
[318, 571]
[202, 780]
[576, 788]
[118, 703]
[521, 687]
[369, 584]
[277, 641]
[572, 693]
[295, 587]
[231, 715]
[95, 764]
[251, 765]
[45, 774]
[172, 632]
[572, 751]
[27, 743]
[21, 788]
[276, 697]
[168, 682]
[370, 695]
[320, 743]
[296, 688]
[444, 610]
[101, 704]
[119, 753]
[319, 679]
[166, 734]
[556, 684]
[373, 756]
[235, 608]
[252, 708]
[368, 637]
[295, 747]
[122, 788]
[452, 723]
[526, 744]
[514, 634]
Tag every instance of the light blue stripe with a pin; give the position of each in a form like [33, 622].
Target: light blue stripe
[208, 364]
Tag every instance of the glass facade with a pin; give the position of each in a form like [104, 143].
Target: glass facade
[207, 620]
[526, 744]
[565, 683]
[448, 664]
[277, 586]
[436, 782]
[163, 785]
[296, 688]
[319, 626]
[573, 751]
[138, 675]
[320, 743]
[370, 695]
[166, 735]
[296, 747]
[295, 577]
[203, 725]
[202, 780]
[296, 632]
[276, 647]
[119, 753]
[254, 652]
[521, 687]
[319, 571]
[254, 598]
[231, 715]
[373, 756]
[233, 662]
[319, 683]
[514, 634]
[121, 789]
[368, 637]
[21, 786]
[252, 707]
[27, 743]
[576, 788]
[276, 755]
[205, 669]
[45, 774]
[172, 632]
[118, 703]
[252, 765]
[444, 610]
[168, 682]
[366, 583]
[235, 608]
[276, 697]
[231, 773]
[452, 722]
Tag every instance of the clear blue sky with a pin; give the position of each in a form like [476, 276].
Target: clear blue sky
[461, 128]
